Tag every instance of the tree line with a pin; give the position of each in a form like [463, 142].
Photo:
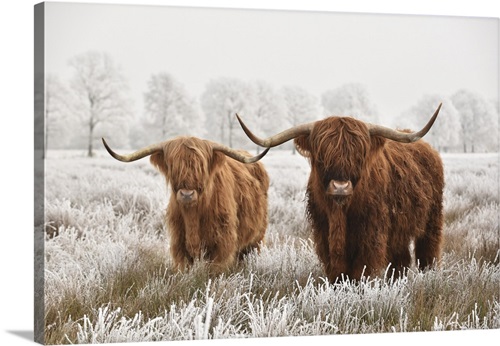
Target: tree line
[95, 103]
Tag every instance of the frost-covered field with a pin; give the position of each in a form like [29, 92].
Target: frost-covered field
[109, 278]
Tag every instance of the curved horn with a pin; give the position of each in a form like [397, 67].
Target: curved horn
[238, 156]
[136, 155]
[280, 138]
[399, 136]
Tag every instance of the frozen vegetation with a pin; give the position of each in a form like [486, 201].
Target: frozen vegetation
[108, 275]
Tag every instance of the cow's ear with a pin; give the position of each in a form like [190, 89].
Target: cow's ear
[302, 145]
[158, 160]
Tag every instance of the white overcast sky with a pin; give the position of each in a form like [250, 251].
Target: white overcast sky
[399, 58]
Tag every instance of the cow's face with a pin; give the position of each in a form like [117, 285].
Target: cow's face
[338, 150]
[188, 164]
[341, 149]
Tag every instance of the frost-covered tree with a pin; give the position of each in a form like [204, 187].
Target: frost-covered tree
[100, 100]
[270, 109]
[445, 133]
[221, 100]
[301, 106]
[478, 119]
[56, 111]
[350, 99]
[170, 110]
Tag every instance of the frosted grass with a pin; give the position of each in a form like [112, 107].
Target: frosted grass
[109, 278]
[313, 309]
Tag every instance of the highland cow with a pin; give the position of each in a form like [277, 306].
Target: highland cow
[372, 191]
[218, 206]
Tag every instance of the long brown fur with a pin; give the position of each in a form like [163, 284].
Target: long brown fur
[229, 217]
[397, 199]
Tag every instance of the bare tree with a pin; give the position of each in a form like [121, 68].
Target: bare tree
[99, 87]
[350, 100]
[301, 106]
[478, 120]
[170, 110]
[221, 100]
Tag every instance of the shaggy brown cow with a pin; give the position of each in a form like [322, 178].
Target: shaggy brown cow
[218, 206]
[369, 196]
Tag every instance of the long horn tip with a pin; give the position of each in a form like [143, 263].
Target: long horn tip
[264, 153]
[258, 157]
[239, 119]
[249, 133]
[439, 107]
[427, 127]
[434, 116]
[111, 152]
[105, 144]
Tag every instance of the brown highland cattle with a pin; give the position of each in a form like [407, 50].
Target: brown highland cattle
[218, 206]
[369, 195]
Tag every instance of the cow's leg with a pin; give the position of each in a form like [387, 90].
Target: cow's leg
[370, 260]
[178, 249]
[336, 240]
[428, 247]
[252, 229]
[245, 251]
[400, 259]
[222, 245]
[222, 258]
[320, 238]
[193, 241]
[369, 237]
[180, 257]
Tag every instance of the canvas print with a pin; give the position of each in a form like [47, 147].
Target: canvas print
[207, 173]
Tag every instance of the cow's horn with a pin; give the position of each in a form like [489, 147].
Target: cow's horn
[405, 137]
[136, 155]
[280, 138]
[238, 156]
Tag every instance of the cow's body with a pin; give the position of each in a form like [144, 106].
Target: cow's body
[397, 200]
[371, 192]
[218, 206]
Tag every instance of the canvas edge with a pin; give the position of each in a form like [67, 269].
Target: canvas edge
[39, 172]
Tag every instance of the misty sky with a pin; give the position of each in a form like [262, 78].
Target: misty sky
[398, 58]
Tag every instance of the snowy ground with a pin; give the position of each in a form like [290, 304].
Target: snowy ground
[109, 278]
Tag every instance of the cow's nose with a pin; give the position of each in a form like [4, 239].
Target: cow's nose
[187, 194]
[339, 188]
